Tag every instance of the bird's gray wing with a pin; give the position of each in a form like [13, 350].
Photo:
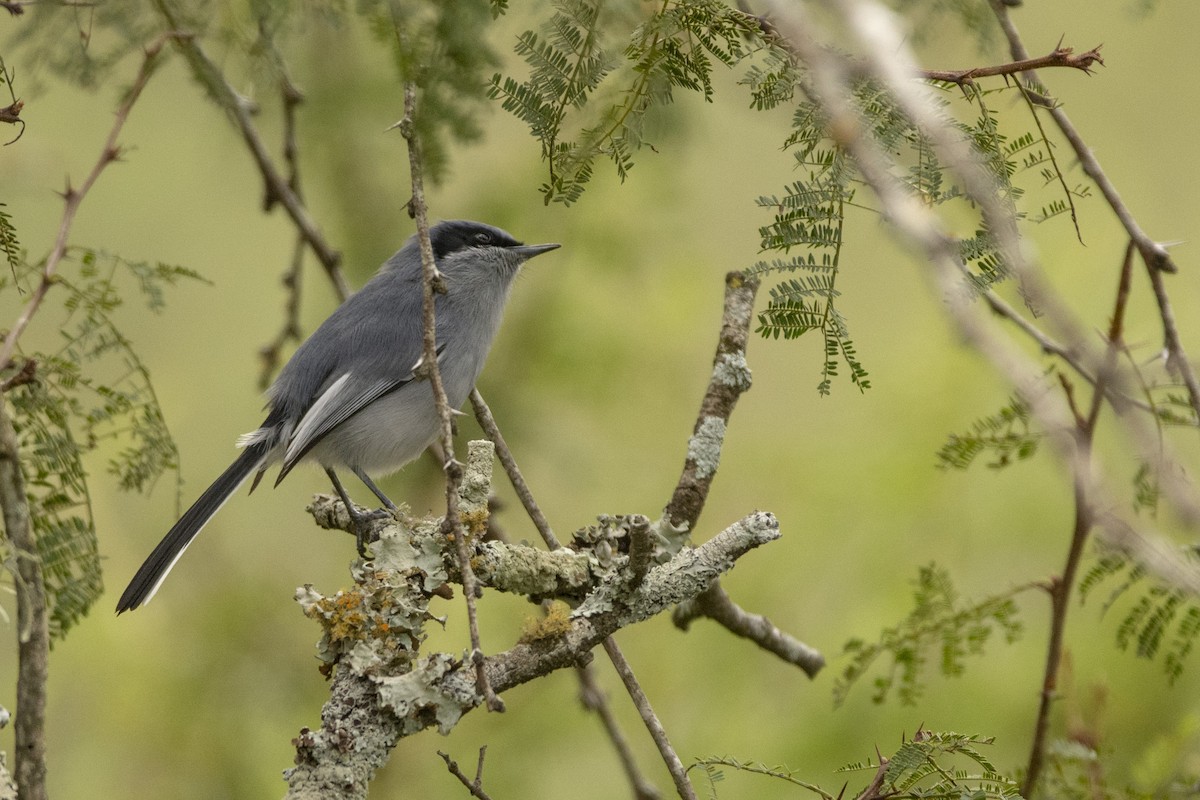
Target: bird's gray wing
[341, 400]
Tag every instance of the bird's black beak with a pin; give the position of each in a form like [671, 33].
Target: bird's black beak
[530, 250]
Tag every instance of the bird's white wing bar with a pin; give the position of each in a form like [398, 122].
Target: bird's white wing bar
[342, 400]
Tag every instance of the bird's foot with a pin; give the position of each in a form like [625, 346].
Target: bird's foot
[365, 529]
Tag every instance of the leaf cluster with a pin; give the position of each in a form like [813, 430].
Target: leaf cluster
[443, 48]
[941, 625]
[90, 393]
[1005, 437]
[925, 766]
[1158, 621]
[595, 73]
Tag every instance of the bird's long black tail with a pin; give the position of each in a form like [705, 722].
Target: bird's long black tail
[152, 573]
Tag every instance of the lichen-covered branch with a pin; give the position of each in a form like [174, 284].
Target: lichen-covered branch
[730, 378]
[383, 690]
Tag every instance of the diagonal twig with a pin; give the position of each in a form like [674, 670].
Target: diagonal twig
[276, 186]
[73, 197]
[429, 370]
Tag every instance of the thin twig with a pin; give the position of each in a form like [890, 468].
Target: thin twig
[594, 700]
[1061, 586]
[292, 280]
[590, 693]
[276, 188]
[475, 787]
[716, 604]
[74, 197]
[1175, 356]
[486, 421]
[1059, 57]
[657, 733]
[1154, 253]
[429, 370]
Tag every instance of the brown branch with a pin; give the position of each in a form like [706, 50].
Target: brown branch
[11, 114]
[1176, 357]
[74, 197]
[271, 353]
[1060, 587]
[594, 700]
[653, 725]
[33, 630]
[1059, 57]
[1154, 254]
[276, 188]
[488, 423]
[475, 787]
[429, 370]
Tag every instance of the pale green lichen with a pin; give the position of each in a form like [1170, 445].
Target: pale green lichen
[731, 370]
[704, 448]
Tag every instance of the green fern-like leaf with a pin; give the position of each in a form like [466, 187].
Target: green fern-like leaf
[1158, 620]
[940, 622]
[575, 73]
[91, 392]
[1004, 436]
[931, 765]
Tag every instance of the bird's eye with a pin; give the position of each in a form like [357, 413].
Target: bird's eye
[483, 238]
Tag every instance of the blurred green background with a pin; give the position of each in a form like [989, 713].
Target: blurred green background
[595, 380]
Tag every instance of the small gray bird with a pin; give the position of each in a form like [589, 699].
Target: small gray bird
[348, 396]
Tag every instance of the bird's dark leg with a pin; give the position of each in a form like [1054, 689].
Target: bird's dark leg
[370, 484]
[361, 522]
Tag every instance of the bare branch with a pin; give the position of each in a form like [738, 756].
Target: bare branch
[657, 732]
[594, 700]
[33, 630]
[276, 187]
[1062, 586]
[292, 97]
[718, 606]
[1059, 57]
[486, 421]
[475, 787]
[73, 198]
[730, 378]
[1152, 252]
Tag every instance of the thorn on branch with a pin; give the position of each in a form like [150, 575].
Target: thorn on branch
[1059, 57]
